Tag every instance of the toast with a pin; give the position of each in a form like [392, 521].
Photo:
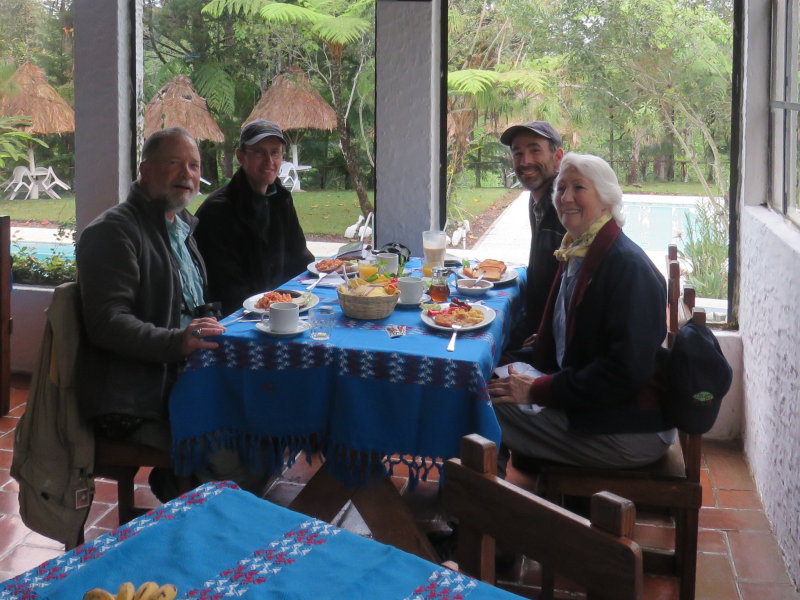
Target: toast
[493, 270]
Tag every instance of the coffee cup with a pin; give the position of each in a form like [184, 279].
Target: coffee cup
[284, 317]
[411, 289]
[390, 262]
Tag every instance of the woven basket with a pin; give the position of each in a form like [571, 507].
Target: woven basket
[368, 307]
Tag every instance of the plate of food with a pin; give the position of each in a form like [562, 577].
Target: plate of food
[332, 265]
[469, 316]
[493, 270]
[260, 303]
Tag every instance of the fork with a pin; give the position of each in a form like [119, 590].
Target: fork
[451, 347]
[320, 276]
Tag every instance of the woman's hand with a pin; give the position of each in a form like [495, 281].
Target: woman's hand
[197, 330]
[514, 389]
[530, 341]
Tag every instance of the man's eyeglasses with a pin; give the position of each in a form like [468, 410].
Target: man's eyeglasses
[263, 154]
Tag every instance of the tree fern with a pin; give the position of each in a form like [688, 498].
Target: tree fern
[217, 86]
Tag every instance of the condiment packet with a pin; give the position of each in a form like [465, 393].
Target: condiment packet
[396, 330]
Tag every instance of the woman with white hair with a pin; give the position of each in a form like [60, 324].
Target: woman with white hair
[595, 403]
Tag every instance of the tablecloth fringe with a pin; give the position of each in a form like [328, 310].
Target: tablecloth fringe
[258, 452]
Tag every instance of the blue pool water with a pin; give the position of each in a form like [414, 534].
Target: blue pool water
[655, 225]
[44, 249]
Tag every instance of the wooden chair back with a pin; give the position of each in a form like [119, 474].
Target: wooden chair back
[5, 314]
[597, 554]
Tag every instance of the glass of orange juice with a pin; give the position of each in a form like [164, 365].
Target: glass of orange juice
[367, 268]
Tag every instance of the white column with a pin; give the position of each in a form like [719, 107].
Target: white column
[107, 51]
[407, 120]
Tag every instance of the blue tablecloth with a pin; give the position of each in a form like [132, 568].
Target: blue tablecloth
[205, 543]
[360, 394]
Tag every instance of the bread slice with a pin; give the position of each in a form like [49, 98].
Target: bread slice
[492, 270]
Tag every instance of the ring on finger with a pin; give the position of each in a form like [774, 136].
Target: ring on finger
[197, 332]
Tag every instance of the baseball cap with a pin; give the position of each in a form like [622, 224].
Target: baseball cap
[542, 128]
[255, 131]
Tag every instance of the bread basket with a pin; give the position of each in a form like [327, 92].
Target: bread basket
[368, 307]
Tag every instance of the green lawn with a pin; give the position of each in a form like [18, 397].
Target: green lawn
[321, 212]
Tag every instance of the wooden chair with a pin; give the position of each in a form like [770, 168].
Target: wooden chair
[671, 484]
[597, 554]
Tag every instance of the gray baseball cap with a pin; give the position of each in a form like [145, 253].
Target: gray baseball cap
[255, 131]
[541, 128]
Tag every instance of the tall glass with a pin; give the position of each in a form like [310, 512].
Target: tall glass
[434, 244]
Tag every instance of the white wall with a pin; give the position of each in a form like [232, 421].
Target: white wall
[770, 327]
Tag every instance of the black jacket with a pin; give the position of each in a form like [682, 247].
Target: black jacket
[131, 298]
[250, 245]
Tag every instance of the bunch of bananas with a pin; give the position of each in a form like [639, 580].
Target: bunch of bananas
[149, 590]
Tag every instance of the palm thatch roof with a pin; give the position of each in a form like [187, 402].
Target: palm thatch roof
[37, 99]
[177, 104]
[293, 103]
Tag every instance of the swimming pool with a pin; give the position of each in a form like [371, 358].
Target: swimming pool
[655, 225]
[42, 250]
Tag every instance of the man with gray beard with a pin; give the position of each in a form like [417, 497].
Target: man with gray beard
[142, 286]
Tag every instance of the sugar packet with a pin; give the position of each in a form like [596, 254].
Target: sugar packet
[396, 330]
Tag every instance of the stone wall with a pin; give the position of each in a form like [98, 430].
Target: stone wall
[770, 328]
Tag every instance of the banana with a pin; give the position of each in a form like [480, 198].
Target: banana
[146, 591]
[126, 591]
[98, 594]
[166, 592]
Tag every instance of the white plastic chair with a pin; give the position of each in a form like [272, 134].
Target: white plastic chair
[20, 178]
[50, 181]
[288, 175]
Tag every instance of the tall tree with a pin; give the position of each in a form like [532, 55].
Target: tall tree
[337, 46]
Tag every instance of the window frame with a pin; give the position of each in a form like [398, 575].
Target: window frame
[784, 104]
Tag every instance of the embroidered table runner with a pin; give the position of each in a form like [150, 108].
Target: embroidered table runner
[360, 394]
[206, 544]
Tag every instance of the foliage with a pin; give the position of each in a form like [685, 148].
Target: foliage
[705, 249]
[13, 142]
[53, 269]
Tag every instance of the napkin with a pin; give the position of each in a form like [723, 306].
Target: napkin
[522, 369]
[330, 280]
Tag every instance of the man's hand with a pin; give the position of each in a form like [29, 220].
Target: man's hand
[514, 389]
[197, 330]
[530, 340]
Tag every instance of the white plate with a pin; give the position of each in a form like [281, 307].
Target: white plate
[424, 298]
[488, 317]
[510, 275]
[312, 268]
[310, 298]
[302, 327]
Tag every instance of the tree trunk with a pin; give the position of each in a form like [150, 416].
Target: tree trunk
[478, 170]
[345, 142]
[633, 164]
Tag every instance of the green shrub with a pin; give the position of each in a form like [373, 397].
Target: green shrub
[54, 269]
[705, 249]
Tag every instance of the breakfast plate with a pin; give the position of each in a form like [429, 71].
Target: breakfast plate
[510, 275]
[488, 317]
[304, 300]
[352, 267]
[302, 327]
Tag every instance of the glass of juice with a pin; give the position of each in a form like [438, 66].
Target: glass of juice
[434, 245]
[367, 268]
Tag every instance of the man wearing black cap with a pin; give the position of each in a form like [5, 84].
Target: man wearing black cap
[536, 151]
[249, 234]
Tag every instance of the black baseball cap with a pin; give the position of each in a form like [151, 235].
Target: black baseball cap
[541, 128]
[255, 131]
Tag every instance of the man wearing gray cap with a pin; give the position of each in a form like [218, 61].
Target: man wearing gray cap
[536, 151]
[249, 234]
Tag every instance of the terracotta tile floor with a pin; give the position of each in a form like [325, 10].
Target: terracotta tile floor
[738, 557]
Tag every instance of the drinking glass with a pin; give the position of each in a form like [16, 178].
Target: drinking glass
[434, 244]
[321, 319]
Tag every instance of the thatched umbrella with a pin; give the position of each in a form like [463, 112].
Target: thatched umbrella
[177, 104]
[293, 103]
[38, 100]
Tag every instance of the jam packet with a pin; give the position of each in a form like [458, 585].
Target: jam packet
[396, 330]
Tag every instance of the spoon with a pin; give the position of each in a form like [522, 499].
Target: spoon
[452, 345]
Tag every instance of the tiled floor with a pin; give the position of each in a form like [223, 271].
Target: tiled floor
[738, 558]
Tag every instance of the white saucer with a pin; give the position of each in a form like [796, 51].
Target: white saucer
[302, 327]
[424, 298]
